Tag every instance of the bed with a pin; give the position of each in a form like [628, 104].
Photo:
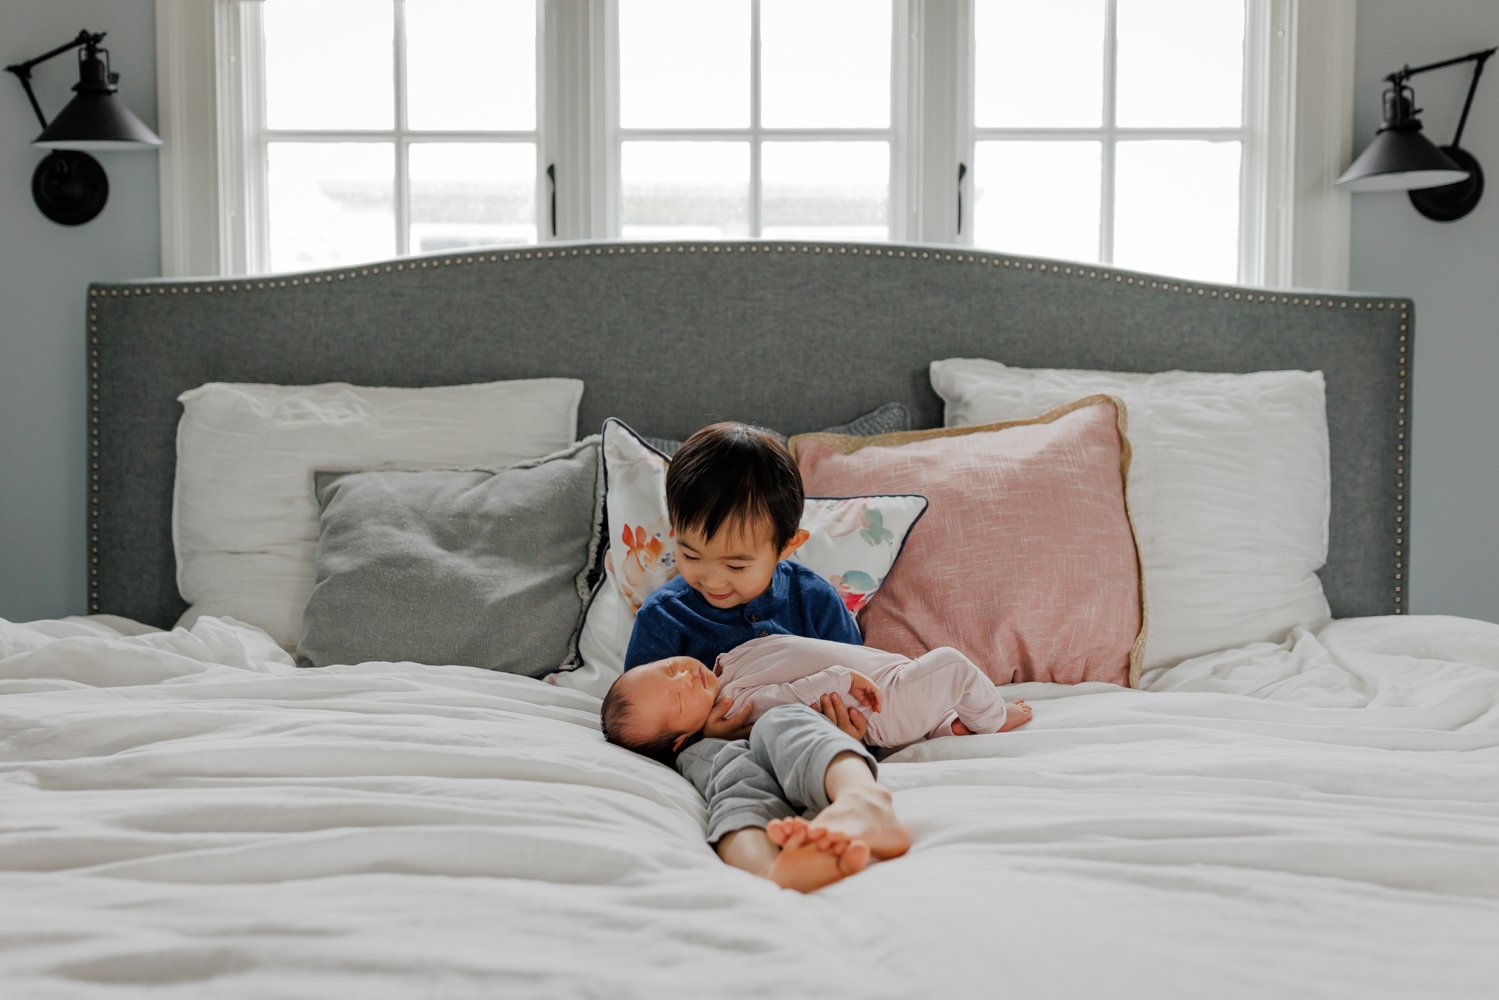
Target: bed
[186, 812]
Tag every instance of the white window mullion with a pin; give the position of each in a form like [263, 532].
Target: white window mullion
[941, 51]
[571, 101]
[1110, 124]
[403, 159]
[756, 201]
[609, 100]
[251, 168]
[1321, 136]
[904, 86]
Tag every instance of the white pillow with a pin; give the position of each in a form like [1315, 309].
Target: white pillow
[1229, 489]
[852, 543]
[244, 518]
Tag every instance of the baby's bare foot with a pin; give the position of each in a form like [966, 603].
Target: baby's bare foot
[1017, 714]
[865, 815]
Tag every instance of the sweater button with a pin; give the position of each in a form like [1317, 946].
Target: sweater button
[754, 618]
[764, 633]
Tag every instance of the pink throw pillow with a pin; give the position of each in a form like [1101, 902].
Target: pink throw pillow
[1026, 559]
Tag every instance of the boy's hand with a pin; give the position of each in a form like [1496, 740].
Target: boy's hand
[865, 691]
[723, 726]
[850, 720]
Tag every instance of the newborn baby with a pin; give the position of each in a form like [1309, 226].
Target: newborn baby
[658, 708]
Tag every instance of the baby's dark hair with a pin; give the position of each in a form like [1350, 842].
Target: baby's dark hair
[615, 718]
[735, 473]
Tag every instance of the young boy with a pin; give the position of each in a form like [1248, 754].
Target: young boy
[735, 499]
[659, 708]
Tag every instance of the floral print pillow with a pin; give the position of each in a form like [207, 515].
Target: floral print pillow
[854, 542]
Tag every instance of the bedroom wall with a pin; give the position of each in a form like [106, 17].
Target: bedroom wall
[44, 273]
[1448, 268]
[45, 268]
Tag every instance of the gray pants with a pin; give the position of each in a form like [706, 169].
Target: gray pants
[779, 771]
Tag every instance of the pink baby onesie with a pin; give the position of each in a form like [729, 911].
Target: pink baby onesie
[922, 697]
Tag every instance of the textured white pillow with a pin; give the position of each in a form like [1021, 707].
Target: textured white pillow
[1229, 490]
[244, 517]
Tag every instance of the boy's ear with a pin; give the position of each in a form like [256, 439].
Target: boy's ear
[681, 741]
[797, 541]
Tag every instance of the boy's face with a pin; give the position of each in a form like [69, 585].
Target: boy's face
[673, 695]
[733, 567]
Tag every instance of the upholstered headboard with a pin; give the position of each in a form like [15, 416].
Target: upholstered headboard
[795, 336]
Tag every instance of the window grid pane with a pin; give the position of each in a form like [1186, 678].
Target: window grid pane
[684, 190]
[826, 190]
[684, 64]
[1039, 65]
[1038, 198]
[825, 63]
[1177, 210]
[313, 89]
[491, 87]
[330, 203]
[471, 194]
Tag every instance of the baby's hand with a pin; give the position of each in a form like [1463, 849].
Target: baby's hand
[723, 726]
[865, 691]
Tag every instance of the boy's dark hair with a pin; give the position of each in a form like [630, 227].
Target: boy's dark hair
[615, 719]
[731, 472]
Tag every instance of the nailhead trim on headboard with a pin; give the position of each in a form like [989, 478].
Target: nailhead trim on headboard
[1067, 270]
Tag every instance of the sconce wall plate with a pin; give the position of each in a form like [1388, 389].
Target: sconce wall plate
[69, 187]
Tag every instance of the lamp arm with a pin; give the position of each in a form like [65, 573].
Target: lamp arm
[1406, 72]
[22, 70]
[1482, 57]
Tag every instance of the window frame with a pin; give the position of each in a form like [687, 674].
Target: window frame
[1298, 113]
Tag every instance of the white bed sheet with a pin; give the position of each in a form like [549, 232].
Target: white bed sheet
[185, 814]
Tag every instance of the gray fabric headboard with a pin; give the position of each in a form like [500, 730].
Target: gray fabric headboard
[667, 336]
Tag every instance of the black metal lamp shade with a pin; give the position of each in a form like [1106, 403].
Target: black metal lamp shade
[97, 120]
[1401, 159]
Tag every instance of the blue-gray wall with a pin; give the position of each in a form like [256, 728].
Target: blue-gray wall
[1449, 270]
[1452, 271]
[44, 273]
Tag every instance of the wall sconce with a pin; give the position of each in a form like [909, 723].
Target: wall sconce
[1444, 184]
[69, 186]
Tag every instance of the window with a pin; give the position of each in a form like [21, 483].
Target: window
[1153, 134]
[1112, 131]
[423, 139]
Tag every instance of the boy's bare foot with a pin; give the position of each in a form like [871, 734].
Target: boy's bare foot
[807, 867]
[862, 815]
[795, 869]
[781, 830]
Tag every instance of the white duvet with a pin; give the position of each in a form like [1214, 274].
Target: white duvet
[184, 814]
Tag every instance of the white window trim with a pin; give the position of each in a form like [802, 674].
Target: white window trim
[1304, 242]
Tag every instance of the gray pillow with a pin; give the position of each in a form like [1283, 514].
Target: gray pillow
[482, 568]
[886, 419]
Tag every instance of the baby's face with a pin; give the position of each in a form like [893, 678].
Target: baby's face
[672, 696]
